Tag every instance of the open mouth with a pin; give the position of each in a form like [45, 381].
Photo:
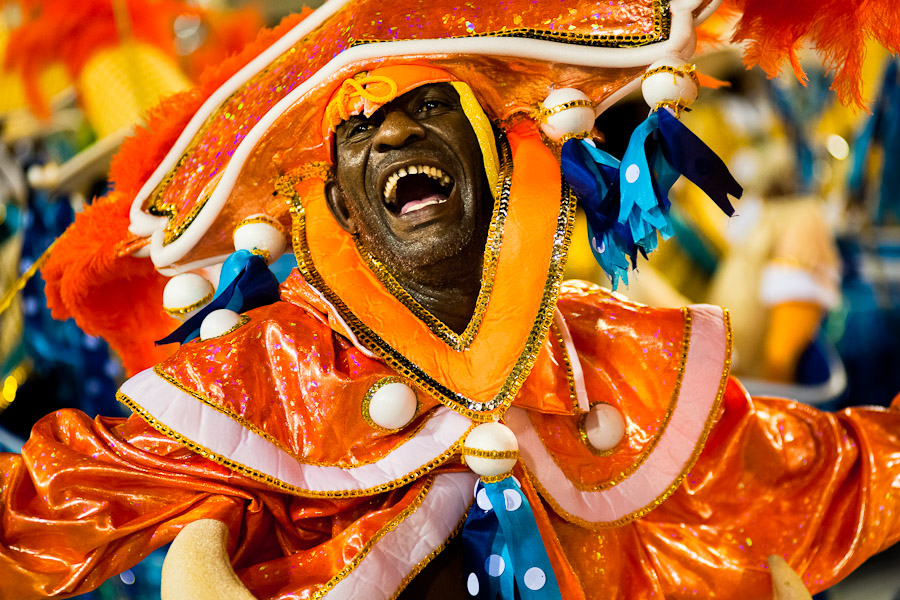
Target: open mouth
[413, 188]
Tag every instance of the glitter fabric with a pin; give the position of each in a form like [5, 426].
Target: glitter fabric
[775, 476]
[621, 23]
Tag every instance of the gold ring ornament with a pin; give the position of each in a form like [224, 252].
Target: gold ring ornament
[671, 83]
[262, 235]
[491, 449]
[185, 294]
[566, 113]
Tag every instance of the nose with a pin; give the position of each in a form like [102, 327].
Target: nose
[397, 130]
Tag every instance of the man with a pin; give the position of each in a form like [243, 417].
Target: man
[646, 471]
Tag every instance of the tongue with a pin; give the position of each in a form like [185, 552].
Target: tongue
[415, 205]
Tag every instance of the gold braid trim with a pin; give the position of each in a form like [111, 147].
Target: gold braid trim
[676, 390]
[491, 454]
[543, 113]
[711, 418]
[364, 551]
[424, 562]
[178, 312]
[274, 481]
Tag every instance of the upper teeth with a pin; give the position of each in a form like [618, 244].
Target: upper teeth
[390, 187]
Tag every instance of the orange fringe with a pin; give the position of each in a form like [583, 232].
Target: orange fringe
[89, 274]
[774, 31]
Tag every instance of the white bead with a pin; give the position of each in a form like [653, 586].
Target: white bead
[393, 406]
[668, 87]
[604, 426]
[571, 121]
[490, 437]
[186, 290]
[218, 322]
[259, 232]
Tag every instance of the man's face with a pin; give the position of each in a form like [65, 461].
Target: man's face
[410, 181]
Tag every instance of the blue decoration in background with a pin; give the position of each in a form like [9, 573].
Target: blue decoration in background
[505, 556]
[882, 129]
[627, 203]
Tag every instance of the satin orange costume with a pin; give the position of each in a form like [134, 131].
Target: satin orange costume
[266, 426]
[87, 499]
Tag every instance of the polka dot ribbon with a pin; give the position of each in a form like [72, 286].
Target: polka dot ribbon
[627, 202]
[505, 556]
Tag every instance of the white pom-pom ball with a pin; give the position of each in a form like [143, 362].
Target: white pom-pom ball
[392, 406]
[260, 234]
[218, 322]
[557, 122]
[604, 427]
[185, 294]
[670, 80]
[491, 449]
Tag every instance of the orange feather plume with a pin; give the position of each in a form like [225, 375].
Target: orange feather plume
[90, 275]
[774, 30]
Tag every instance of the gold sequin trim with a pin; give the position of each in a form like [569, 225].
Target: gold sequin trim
[265, 219]
[491, 454]
[477, 411]
[243, 320]
[711, 418]
[582, 432]
[274, 481]
[673, 400]
[674, 106]
[570, 374]
[542, 114]
[367, 399]
[461, 341]
[496, 478]
[424, 562]
[272, 440]
[685, 70]
[367, 547]
[178, 312]
[661, 28]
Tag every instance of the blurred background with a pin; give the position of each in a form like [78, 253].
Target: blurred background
[809, 267]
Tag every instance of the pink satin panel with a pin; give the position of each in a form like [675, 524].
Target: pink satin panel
[776, 477]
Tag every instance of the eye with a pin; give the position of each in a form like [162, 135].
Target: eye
[433, 105]
[359, 128]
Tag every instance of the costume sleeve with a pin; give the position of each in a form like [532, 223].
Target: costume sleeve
[88, 499]
[779, 477]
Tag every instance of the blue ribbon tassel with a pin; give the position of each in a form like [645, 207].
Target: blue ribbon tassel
[627, 202]
[505, 556]
[245, 282]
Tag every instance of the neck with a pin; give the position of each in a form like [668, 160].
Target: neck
[449, 291]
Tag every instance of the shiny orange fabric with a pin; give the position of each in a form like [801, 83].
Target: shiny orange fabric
[90, 498]
[479, 371]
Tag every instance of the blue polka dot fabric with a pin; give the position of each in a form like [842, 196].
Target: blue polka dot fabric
[505, 556]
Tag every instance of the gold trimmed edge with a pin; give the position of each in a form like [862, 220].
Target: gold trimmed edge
[424, 562]
[492, 247]
[180, 312]
[275, 442]
[676, 483]
[367, 399]
[274, 481]
[662, 23]
[367, 547]
[670, 409]
[476, 411]
[466, 451]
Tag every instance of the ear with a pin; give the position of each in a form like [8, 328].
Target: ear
[337, 205]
